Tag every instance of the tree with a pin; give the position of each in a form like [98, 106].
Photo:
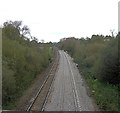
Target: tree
[107, 68]
[112, 32]
[25, 30]
[42, 41]
[10, 31]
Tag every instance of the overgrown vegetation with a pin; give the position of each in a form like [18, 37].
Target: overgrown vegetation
[22, 61]
[97, 58]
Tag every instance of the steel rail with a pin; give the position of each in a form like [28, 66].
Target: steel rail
[36, 96]
[48, 93]
[77, 101]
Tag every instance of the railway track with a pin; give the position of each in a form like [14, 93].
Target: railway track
[39, 101]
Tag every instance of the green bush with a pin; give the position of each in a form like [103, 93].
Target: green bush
[9, 85]
[107, 67]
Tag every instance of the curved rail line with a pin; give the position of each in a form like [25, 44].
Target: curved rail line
[51, 72]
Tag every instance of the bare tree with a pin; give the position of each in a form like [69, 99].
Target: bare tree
[42, 41]
[17, 24]
[25, 30]
[112, 32]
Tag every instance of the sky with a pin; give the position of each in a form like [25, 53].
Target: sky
[51, 20]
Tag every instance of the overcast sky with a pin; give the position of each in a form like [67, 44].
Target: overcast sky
[52, 20]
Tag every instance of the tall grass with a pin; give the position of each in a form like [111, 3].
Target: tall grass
[106, 95]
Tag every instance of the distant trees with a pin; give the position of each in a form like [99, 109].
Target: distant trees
[42, 41]
[22, 61]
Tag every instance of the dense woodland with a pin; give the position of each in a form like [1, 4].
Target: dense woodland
[97, 58]
[23, 59]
